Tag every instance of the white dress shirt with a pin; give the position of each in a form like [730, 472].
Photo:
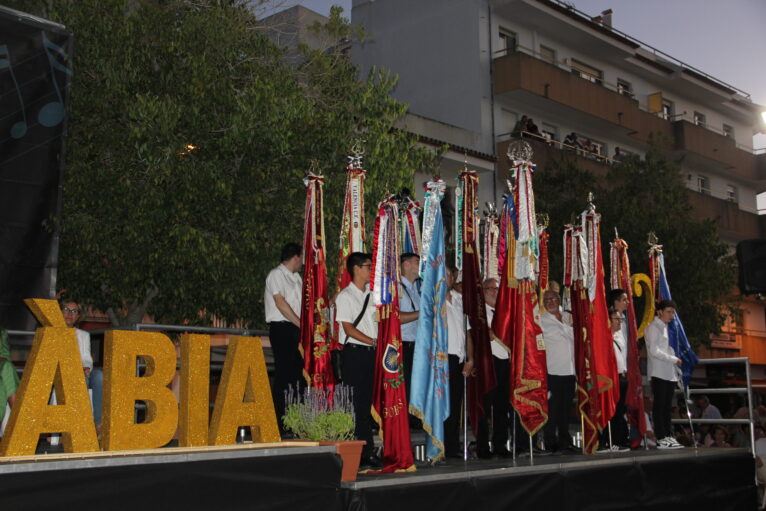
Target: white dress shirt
[409, 301]
[286, 283]
[498, 349]
[559, 345]
[620, 351]
[83, 340]
[348, 305]
[456, 326]
[660, 357]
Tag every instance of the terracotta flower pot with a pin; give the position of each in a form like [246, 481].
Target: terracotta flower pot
[350, 452]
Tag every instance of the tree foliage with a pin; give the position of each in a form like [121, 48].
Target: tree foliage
[640, 196]
[188, 138]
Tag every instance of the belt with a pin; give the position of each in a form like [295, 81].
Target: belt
[359, 346]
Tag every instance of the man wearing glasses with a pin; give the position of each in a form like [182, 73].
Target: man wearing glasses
[618, 424]
[355, 311]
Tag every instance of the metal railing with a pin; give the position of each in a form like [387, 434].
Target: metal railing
[746, 390]
[552, 142]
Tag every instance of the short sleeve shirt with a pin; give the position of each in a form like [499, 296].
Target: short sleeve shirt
[348, 305]
[286, 283]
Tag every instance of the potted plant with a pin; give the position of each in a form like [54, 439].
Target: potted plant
[327, 417]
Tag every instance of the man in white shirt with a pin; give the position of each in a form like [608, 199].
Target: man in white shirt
[662, 371]
[618, 424]
[496, 402]
[282, 301]
[355, 311]
[559, 352]
[409, 310]
[460, 349]
[707, 409]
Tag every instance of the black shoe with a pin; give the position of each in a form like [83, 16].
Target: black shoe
[483, 453]
[502, 452]
[571, 449]
[370, 463]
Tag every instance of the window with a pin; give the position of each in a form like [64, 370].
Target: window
[548, 54]
[699, 119]
[508, 40]
[667, 110]
[731, 193]
[703, 185]
[587, 72]
[624, 87]
[728, 131]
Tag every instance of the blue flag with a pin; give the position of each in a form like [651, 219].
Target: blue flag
[676, 333]
[429, 395]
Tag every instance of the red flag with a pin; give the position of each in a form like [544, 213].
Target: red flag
[529, 380]
[314, 337]
[484, 378]
[634, 399]
[594, 356]
[389, 395]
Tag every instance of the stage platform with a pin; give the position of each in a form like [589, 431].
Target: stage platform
[301, 476]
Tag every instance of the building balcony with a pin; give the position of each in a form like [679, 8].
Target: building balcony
[522, 76]
[718, 148]
[733, 224]
[519, 74]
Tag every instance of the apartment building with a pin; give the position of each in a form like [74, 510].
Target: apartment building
[469, 69]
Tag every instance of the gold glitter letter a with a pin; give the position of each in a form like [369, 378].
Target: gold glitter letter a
[54, 361]
[244, 397]
[122, 388]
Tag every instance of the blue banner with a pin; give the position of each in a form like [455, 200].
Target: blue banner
[429, 395]
[676, 333]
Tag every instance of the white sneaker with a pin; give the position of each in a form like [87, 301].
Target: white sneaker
[619, 448]
[675, 443]
[668, 443]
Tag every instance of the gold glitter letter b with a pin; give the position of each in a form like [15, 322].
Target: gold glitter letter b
[122, 388]
[195, 390]
[244, 379]
[54, 361]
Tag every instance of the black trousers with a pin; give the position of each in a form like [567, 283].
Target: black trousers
[408, 350]
[617, 422]
[556, 431]
[452, 424]
[288, 364]
[358, 373]
[662, 391]
[497, 406]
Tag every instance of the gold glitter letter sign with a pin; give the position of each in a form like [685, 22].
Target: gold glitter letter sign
[122, 388]
[244, 397]
[54, 362]
[195, 390]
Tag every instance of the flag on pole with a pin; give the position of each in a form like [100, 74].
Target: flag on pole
[314, 335]
[352, 229]
[676, 333]
[620, 279]
[484, 378]
[430, 372]
[410, 229]
[389, 397]
[597, 391]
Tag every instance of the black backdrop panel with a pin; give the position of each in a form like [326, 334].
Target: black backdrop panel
[35, 71]
[300, 482]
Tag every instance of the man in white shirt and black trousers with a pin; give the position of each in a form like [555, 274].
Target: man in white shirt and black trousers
[409, 310]
[355, 311]
[282, 301]
[662, 363]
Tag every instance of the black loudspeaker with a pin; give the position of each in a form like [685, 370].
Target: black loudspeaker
[751, 255]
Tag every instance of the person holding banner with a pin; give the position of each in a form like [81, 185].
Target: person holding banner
[662, 372]
[356, 315]
[460, 348]
[409, 309]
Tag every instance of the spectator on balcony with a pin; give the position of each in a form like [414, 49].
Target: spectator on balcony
[589, 148]
[571, 143]
[532, 128]
[520, 127]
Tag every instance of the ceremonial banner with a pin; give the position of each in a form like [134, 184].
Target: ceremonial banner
[502, 323]
[410, 229]
[595, 364]
[484, 378]
[490, 267]
[620, 279]
[352, 230]
[676, 333]
[314, 337]
[430, 372]
[389, 394]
